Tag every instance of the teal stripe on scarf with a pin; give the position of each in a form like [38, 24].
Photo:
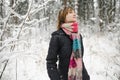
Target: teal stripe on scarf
[76, 45]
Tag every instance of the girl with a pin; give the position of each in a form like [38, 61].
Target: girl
[66, 47]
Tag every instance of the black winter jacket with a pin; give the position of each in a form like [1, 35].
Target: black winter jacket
[60, 49]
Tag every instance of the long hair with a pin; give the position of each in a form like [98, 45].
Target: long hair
[62, 16]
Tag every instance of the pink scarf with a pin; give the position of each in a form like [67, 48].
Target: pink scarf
[75, 64]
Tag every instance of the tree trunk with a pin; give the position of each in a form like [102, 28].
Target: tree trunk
[1, 9]
[76, 7]
[66, 2]
[1, 15]
[85, 9]
[11, 3]
[111, 11]
[119, 6]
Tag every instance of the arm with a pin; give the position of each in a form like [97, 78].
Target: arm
[52, 58]
[82, 46]
[85, 73]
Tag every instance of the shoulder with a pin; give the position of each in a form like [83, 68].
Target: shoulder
[59, 32]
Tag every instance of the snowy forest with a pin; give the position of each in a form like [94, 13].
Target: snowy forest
[25, 32]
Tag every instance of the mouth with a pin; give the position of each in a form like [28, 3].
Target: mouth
[74, 17]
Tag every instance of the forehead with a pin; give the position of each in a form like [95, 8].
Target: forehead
[70, 9]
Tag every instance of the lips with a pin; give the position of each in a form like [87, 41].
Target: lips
[74, 17]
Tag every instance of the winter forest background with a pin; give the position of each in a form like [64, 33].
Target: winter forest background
[25, 32]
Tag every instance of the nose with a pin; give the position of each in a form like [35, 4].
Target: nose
[74, 14]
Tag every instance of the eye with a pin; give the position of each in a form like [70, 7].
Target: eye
[70, 12]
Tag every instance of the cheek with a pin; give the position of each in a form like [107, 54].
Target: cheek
[68, 18]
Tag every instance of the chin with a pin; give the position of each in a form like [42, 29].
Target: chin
[73, 21]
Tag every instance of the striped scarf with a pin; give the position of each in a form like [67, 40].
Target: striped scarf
[75, 64]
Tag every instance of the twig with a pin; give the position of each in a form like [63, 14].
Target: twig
[4, 68]
[27, 14]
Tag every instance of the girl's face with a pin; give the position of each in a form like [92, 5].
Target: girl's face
[70, 17]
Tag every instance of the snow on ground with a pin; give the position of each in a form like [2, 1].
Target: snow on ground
[30, 66]
[101, 58]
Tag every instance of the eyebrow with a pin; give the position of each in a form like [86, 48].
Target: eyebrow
[71, 11]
